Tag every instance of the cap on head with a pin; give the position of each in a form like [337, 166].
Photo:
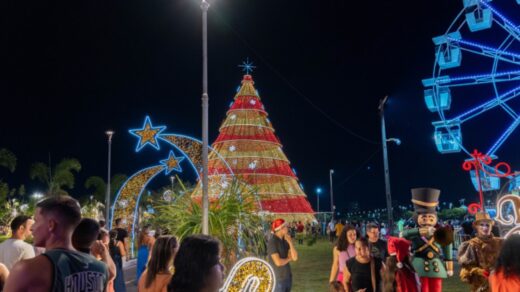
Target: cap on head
[277, 224]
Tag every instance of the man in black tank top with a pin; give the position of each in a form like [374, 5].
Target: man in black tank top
[85, 240]
[60, 268]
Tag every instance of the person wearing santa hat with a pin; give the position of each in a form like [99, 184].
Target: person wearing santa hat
[281, 252]
[400, 276]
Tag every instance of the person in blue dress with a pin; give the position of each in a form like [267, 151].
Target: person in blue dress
[117, 252]
[144, 243]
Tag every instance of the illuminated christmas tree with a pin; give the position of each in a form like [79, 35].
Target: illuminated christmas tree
[249, 145]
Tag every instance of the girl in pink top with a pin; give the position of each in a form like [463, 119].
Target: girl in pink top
[342, 251]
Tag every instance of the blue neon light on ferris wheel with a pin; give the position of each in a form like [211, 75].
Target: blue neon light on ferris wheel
[453, 78]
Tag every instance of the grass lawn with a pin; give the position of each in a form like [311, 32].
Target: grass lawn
[311, 271]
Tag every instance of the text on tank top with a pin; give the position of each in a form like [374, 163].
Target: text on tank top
[76, 271]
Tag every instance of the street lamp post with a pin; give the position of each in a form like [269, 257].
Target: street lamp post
[332, 207]
[318, 192]
[108, 220]
[205, 199]
[385, 161]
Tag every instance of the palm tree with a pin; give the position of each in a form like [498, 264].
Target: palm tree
[116, 183]
[99, 186]
[232, 218]
[57, 178]
[7, 159]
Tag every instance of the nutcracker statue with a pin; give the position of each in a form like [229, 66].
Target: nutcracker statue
[431, 245]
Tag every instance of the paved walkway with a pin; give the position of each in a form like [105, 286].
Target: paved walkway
[129, 270]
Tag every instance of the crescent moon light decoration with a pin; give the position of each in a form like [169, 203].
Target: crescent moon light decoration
[126, 203]
[252, 275]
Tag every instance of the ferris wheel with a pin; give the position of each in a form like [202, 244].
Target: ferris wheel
[475, 84]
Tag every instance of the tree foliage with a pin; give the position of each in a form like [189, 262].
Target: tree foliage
[453, 213]
[56, 179]
[98, 187]
[8, 159]
[231, 217]
[116, 183]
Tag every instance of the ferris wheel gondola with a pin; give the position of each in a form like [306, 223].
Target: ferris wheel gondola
[484, 40]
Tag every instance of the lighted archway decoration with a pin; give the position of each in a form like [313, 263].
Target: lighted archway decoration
[509, 219]
[127, 199]
[250, 274]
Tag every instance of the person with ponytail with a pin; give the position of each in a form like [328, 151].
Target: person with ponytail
[399, 275]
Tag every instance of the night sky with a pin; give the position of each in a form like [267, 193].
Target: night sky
[73, 69]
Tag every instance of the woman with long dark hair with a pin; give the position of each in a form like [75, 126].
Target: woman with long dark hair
[342, 252]
[117, 252]
[197, 265]
[158, 272]
[363, 272]
[506, 276]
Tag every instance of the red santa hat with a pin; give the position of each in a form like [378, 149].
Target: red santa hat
[277, 224]
[400, 248]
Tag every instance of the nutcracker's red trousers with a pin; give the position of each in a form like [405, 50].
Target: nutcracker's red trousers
[431, 284]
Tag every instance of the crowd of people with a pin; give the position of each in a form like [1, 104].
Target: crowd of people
[70, 253]
[487, 263]
[422, 256]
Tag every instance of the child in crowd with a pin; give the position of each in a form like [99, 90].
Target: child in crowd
[400, 275]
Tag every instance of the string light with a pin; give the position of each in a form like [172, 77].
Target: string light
[250, 274]
[509, 220]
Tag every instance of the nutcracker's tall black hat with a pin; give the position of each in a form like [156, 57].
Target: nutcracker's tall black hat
[425, 200]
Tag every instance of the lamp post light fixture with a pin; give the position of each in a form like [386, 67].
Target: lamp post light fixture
[318, 192]
[108, 220]
[37, 195]
[204, 6]
[332, 207]
[397, 141]
[384, 140]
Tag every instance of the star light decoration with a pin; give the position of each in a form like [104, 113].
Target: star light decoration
[147, 135]
[172, 163]
[247, 66]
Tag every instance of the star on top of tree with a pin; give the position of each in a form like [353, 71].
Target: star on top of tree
[247, 66]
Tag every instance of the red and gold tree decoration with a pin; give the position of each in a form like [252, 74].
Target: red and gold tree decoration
[248, 143]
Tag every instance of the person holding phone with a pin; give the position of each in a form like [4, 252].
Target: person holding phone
[281, 252]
